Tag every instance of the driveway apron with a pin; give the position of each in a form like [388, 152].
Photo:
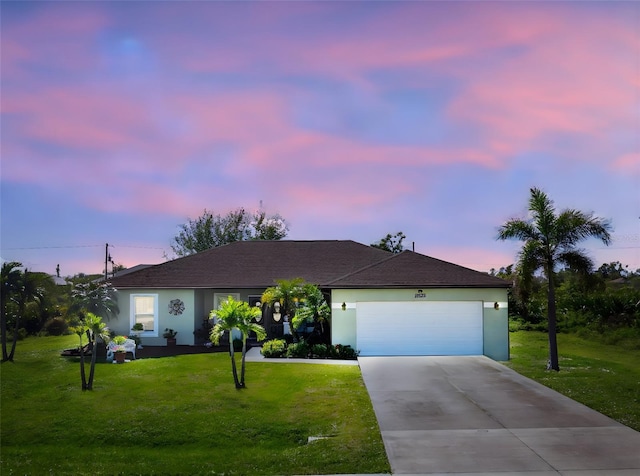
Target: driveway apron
[472, 415]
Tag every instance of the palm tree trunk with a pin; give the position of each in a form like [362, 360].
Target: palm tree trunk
[94, 355]
[15, 333]
[83, 377]
[233, 362]
[3, 332]
[551, 312]
[244, 353]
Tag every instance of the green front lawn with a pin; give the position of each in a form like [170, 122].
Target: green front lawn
[603, 377]
[182, 415]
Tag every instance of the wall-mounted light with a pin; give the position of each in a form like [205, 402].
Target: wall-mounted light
[496, 305]
[276, 307]
[344, 306]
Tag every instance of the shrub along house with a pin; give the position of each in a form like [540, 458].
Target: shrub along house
[382, 303]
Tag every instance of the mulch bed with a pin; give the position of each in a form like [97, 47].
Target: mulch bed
[169, 351]
[153, 351]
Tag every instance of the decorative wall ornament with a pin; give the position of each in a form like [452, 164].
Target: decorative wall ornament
[176, 306]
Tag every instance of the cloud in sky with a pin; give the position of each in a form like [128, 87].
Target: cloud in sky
[122, 119]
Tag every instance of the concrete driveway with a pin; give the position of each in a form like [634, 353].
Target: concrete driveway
[471, 415]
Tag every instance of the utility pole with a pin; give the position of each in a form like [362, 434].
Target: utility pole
[106, 260]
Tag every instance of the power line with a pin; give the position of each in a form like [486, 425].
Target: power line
[80, 246]
[51, 247]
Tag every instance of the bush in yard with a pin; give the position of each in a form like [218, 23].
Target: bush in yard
[319, 351]
[274, 348]
[346, 352]
[299, 350]
[56, 326]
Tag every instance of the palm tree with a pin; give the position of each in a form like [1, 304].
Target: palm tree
[11, 275]
[80, 329]
[550, 240]
[314, 310]
[236, 315]
[96, 297]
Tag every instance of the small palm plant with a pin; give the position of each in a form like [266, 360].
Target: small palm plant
[80, 329]
[236, 315]
[95, 329]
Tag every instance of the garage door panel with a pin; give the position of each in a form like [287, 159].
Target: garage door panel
[419, 328]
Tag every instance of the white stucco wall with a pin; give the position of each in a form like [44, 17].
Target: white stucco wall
[183, 323]
[198, 303]
[495, 321]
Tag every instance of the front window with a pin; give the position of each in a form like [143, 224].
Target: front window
[219, 298]
[144, 310]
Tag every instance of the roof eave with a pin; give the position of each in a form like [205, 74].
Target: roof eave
[419, 286]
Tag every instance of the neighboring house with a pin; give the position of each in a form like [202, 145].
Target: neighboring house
[382, 303]
[57, 280]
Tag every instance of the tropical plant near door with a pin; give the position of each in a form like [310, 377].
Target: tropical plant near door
[288, 294]
[550, 240]
[314, 310]
[303, 303]
[236, 315]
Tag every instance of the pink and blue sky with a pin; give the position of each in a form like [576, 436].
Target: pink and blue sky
[121, 120]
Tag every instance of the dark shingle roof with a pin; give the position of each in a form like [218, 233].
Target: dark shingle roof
[415, 270]
[328, 263]
[256, 264]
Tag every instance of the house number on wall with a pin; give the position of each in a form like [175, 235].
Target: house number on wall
[420, 294]
[176, 306]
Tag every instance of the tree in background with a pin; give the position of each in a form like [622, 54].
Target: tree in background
[615, 270]
[96, 297]
[209, 230]
[550, 239]
[392, 243]
[10, 283]
[236, 315]
[18, 289]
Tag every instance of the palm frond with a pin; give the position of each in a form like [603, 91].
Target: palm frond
[217, 332]
[576, 260]
[531, 257]
[517, 229]
[260, 331]
[235, 315]
[574, 226]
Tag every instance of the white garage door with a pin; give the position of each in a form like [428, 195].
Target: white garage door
[419, 328]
